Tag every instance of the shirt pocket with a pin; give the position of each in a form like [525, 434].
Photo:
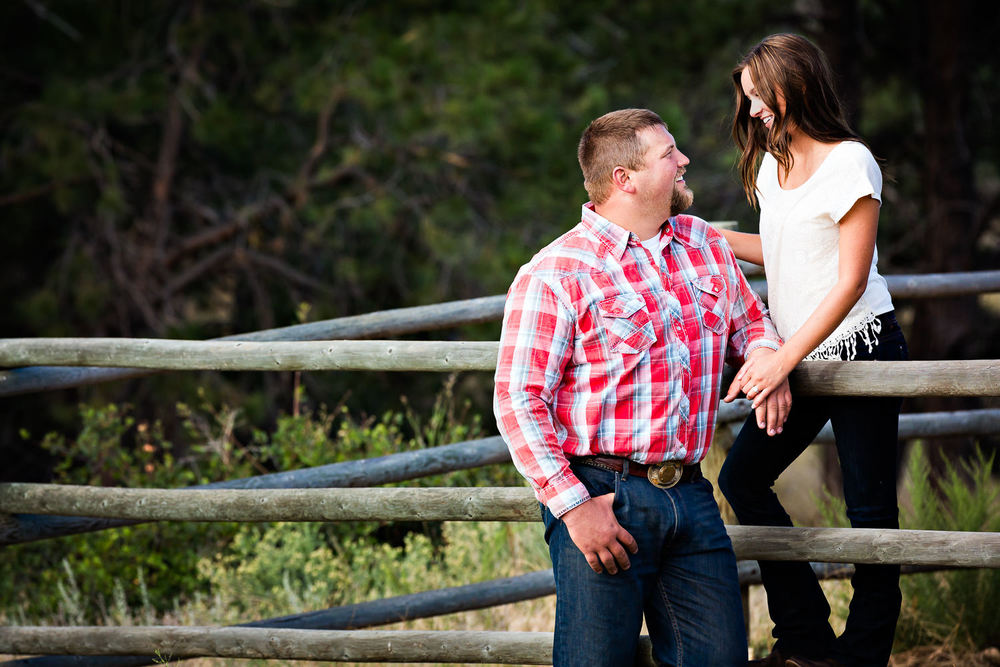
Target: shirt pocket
[627, 323]
[713, 303]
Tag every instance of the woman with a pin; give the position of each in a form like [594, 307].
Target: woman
[819, 191]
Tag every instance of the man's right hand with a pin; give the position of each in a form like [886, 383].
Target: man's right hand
[597, 534]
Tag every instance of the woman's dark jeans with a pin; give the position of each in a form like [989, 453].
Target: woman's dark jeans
[866, 431]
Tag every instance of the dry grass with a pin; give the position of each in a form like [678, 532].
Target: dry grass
[539, 615]
[528, 616]
[931, 656]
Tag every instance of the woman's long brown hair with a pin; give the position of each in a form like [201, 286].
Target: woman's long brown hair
[797, 69]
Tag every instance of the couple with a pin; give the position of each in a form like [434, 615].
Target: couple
[608, 376]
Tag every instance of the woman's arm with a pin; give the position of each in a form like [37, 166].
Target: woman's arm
[857, 245]
[745, 246]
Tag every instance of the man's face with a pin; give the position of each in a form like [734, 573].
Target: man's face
[660, 184]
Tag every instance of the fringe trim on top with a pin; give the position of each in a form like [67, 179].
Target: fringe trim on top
[867, 330]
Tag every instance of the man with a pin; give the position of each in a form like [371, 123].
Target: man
[607, 386]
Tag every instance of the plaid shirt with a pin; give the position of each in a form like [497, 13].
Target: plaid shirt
[606, 351]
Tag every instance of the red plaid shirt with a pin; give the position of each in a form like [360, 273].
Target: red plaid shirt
[606, 351]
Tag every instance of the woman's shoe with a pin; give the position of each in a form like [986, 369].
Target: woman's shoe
[798, 661]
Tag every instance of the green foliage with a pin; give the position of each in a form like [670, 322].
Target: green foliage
[959, 607]
[108, 575]
[289, 568]
[133, 566]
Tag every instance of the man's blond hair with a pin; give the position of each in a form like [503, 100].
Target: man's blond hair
[612, 141]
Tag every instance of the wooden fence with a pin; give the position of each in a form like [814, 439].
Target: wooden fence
[39, 511]
[400, 321]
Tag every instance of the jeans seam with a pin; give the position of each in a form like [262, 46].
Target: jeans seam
[677, 519]
[673, 622]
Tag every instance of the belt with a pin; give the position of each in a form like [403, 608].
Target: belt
[663, 475]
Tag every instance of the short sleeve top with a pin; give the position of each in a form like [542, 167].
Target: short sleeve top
[800, 237]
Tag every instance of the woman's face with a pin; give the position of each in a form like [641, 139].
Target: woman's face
[758, 109]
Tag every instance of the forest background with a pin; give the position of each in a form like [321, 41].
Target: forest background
[195, 169]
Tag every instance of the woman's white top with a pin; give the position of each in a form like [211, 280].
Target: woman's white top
[800, 237]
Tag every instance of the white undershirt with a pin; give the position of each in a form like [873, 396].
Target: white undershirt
[652, 244]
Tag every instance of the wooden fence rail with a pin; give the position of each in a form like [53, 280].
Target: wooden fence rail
[929, 425]
[915, 547]
[382, 324]
[341, 355]
[370, 504]
[979, 377]
[172, 642]
[424, 605]
[404, 466]
[399, 467]
[402, 321]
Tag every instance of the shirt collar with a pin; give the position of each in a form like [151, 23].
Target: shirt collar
[613, 238]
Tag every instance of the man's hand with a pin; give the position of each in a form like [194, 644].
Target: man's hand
[764, 380]
[773, 411]
[597, 534]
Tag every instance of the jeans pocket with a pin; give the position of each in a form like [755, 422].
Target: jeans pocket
[892, 347]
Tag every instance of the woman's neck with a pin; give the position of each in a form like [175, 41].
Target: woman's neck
[807, 155]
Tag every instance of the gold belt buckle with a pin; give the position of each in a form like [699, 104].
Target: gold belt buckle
[665, 475]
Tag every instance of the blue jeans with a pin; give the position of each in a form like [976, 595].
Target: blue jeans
[683, 579]
[866, 432]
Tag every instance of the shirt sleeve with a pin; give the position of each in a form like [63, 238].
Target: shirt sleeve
[536, 345]
[858, 176]
[751, 325]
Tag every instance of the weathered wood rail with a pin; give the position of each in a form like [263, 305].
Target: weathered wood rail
[172, 642]
[915, 547]
[398, 467]
[979, 377]
[401, 321]
[404, 466]
[423, 605]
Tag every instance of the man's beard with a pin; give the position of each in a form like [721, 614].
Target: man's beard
[680, 200]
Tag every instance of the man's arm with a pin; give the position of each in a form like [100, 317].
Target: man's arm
[536, 346]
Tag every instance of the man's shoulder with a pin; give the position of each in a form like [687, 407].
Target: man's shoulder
[571, 253]
[694, 231]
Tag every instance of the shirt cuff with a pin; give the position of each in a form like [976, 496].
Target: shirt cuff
[559, 498]
[759, 343]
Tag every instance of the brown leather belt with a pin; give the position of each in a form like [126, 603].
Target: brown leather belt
[664, 475]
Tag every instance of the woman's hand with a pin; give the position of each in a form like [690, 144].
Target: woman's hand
[764, 380]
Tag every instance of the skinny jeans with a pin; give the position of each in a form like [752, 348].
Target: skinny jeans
[866, 432]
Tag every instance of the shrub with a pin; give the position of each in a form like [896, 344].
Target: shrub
[94, 577]
[958, 608]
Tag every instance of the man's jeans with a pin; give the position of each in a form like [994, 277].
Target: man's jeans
[866, 432]
[683, 579]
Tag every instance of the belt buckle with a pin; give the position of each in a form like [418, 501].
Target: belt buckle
[665, 475]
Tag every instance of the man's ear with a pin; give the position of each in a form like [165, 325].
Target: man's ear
[621, 179]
